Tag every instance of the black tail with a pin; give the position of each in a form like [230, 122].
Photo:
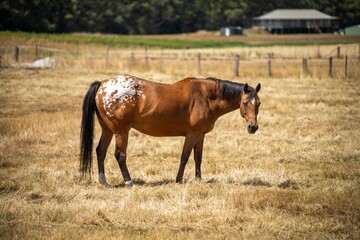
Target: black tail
[87, 129]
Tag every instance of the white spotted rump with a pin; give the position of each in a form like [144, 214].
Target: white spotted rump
[121, 89]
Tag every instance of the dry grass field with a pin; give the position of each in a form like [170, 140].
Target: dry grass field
[297, 178]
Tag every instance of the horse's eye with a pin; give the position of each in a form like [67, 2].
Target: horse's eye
[245, 105]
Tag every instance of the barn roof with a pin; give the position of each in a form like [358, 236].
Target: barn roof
[291, 14]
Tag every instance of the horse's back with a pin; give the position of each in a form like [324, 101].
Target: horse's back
[152, 108]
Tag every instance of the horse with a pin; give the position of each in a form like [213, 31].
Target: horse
[188, 108]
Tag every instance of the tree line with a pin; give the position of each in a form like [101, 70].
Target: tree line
[153, 16]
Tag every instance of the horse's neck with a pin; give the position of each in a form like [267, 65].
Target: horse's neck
[219, 105]
[222, 106]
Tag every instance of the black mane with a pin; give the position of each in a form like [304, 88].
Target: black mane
[229, 90]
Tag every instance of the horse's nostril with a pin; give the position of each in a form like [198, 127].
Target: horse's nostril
[252, 128]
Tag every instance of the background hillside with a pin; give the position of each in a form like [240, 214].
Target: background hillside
[153, 16]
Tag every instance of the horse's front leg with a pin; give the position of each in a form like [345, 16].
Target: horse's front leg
[120, 155]
[189, 144]
[198, 149]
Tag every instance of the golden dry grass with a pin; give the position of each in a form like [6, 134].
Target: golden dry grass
[297, 177]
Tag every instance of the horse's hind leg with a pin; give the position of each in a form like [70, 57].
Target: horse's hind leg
[101, 149]
[120, 155]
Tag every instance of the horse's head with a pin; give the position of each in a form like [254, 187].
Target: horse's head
[249, 106]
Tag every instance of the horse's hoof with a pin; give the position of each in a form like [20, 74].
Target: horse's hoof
[102, 180]
[129, 183]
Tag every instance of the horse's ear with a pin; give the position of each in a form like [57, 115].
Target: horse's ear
[258, 87]
[246, 88]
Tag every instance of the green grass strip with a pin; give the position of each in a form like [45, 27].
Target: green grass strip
[140, 41]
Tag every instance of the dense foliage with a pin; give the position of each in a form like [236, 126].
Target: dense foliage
[153, 16]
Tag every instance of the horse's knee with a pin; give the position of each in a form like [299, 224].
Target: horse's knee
[120, 156]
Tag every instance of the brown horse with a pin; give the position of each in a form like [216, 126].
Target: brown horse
[186, 108]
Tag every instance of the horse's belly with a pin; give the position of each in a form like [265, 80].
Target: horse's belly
[161, 128]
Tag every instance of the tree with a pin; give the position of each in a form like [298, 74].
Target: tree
[153, 16]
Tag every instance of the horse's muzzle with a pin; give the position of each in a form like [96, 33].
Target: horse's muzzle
[252, 128]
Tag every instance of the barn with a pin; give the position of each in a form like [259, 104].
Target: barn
[287, 21]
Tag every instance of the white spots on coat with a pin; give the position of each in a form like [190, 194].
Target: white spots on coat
[121, 90]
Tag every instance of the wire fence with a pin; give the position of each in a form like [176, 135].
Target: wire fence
[333, 63]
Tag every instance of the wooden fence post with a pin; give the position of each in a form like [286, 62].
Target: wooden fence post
[199, 63]
[107, 56]
[304, 67]
[338, 52]
[16, 54]
[236, 66]
[146, 58]
[346, 64]
[36, 52]
[132, 58]
[330, 67]
[269, 65]
[161, 60]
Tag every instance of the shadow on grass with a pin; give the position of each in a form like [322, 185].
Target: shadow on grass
[140, 182]
[256, 182]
